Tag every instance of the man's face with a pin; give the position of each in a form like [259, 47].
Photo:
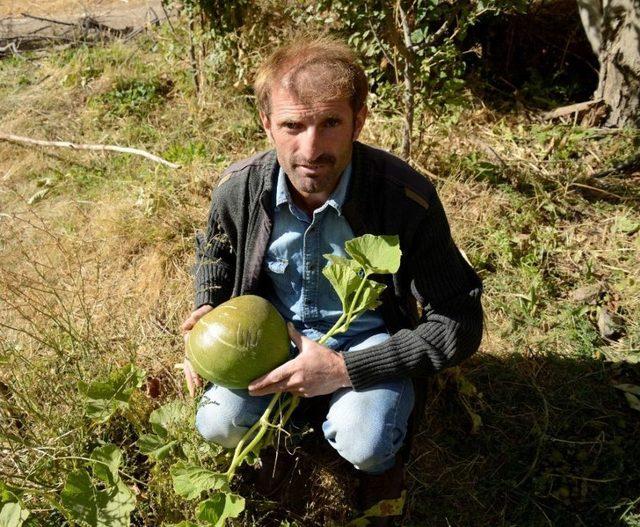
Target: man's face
[313, 141]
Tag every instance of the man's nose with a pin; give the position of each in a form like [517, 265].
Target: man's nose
[311, 144]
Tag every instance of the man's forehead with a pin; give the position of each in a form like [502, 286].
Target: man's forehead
[284, 103]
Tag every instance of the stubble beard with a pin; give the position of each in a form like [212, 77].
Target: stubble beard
[315, 184]
[324, 181]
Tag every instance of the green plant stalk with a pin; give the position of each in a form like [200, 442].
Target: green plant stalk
[286, 409]
[345, 319]
[258, 429]
[355, 298]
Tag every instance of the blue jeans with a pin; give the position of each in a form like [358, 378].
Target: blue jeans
[366, 427]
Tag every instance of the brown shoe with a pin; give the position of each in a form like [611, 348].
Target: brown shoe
[381, 497]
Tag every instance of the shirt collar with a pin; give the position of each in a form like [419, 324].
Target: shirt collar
[336, 199]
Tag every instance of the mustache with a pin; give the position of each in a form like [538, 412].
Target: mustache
[322, 159]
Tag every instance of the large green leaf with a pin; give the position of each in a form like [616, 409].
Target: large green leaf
[155, 446]
[107, 461]
[166, 419]
[344, 279]
[189, 481]
[377, 254]
[86, 505]
[13, 515]
[168, 423]
[346, 262]
[78, 498]
[115, 506]
[368, 297]
[103, 398]
[219, 507]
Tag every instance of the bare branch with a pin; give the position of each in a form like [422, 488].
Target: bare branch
[571, 109]
[96, 147]
[42, 19]
[11, 46]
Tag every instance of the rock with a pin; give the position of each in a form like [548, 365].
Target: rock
[588, 293]
[609, 325]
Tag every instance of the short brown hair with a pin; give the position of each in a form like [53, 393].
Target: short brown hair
[313, 69]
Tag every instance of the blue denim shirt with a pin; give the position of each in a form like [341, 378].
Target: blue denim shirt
[294, 263]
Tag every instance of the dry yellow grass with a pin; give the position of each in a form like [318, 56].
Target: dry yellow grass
[65, 8]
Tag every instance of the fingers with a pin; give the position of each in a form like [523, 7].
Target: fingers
[284, 386]
[294, 335]
[193, 379]
[189, 378]
[275, 381]
[188, 324]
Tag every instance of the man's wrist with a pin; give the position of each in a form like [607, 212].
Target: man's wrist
[345, 381]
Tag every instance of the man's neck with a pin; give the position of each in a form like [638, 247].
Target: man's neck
[308, 202]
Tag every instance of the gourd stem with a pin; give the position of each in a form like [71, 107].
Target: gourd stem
[263, 425]
[256, 428]
[295, 399]
[334, 329]
[285, 412]
[355, 298]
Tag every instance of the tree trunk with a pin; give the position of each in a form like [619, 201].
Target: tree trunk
[591, 16]
[408, 98]
[619, 56]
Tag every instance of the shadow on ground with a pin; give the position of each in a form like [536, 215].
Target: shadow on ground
[557, 445]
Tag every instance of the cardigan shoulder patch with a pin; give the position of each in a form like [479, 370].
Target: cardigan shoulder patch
[258, 162]
[224, 178]
[412, 183]
[413, 195]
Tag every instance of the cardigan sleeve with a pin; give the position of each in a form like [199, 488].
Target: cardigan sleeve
[450, 327]
[215, 260]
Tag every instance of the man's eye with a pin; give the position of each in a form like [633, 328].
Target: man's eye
[291, 126]
[332, 123]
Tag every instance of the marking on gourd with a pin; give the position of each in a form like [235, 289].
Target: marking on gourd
[247, 337]
[225, 342]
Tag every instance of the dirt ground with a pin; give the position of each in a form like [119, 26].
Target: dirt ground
[114, 13]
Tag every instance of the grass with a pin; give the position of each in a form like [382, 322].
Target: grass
[95, 274]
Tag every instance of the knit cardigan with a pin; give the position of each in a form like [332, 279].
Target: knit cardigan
[431, 306]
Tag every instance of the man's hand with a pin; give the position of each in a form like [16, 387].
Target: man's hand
[193, 379]
[317, 370]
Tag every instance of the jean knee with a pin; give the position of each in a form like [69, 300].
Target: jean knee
[225, 415]
[368, 428]
[216, 427]
[373, 451]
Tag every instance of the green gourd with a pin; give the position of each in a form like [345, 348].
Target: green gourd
[238, 341]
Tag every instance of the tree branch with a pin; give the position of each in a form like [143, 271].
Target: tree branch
[96, 147]
[42, 19]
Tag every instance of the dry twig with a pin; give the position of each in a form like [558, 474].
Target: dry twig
[52, 20]
[571, 109]
[96, 147]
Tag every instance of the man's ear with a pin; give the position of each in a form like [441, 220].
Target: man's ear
[358, 122]
[266, 124]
